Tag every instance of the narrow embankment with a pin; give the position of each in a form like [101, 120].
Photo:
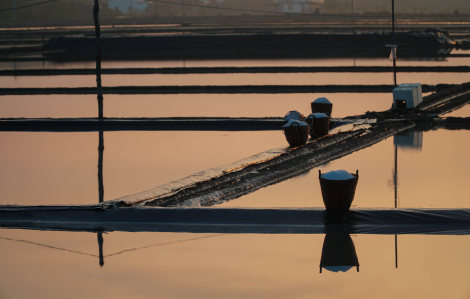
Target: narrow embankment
[210, 89]
[238, 70]
[259, 221]
[253, 177]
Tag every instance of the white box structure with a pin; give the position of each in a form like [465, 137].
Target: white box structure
[407, 95]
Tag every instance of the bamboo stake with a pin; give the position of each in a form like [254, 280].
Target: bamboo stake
[96, 9]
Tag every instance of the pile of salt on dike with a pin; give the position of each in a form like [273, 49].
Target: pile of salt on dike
[322, 105]
[338, 189]
[296, 132]
[295, 115]
[337, 175]
[319, 124]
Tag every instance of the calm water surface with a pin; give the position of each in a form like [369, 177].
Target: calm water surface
[41, 264]
[61, 168]
[430, 175]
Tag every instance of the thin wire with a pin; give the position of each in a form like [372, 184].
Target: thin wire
[264, 11]
[162, 244]
[48, 246]
[27, 5]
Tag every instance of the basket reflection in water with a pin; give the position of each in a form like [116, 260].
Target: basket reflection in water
[338, 253]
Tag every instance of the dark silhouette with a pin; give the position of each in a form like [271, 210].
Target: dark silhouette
[338, 253]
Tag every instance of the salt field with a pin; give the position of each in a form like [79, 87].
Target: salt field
[62, 237]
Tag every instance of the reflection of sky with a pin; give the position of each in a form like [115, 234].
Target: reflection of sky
[233, 266]
[232, 79]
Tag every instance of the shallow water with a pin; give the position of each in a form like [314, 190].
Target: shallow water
[232, 79]
[170, 265]
[213, 105]
[432, 175]
[61, 168]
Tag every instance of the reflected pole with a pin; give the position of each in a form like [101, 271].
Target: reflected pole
[100, 246]
[396, 176]
[100, 167]
[396, 197]
[100, 190]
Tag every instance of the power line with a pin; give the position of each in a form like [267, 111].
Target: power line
[48, 246]
[27, 5]
[263, 11]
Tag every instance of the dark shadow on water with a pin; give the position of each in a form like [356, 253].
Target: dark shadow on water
[339, 252]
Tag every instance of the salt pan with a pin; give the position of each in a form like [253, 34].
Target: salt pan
[293, 121]
[317, 115]
[337, 175]
[322, 101]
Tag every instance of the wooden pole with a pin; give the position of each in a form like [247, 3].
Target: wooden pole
[96, 9]
[15, 18]
[393, 43]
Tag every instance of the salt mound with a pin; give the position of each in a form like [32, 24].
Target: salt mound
[292, 115]
[291, 122]
[317, 115]
[322, 101]
[337, 175]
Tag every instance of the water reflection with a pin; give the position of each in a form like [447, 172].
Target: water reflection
[100, 190]
[338, 253]
[100, 167]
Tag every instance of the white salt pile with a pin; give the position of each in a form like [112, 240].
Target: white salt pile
[337, 175]
[292, 115]
[293, 121]
[322, 101]
[317, 115]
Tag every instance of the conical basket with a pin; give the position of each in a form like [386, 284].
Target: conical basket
[338, 194]
[296, 135]
[319, 127]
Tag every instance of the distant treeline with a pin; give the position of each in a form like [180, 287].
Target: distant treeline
[82, 9]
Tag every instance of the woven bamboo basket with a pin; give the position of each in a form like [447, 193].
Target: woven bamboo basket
[319, 127]
[296, 135]
[338, 194]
